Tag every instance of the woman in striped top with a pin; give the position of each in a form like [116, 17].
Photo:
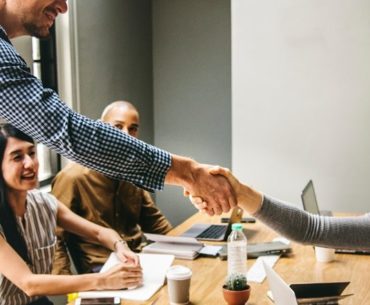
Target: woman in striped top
[28, 219]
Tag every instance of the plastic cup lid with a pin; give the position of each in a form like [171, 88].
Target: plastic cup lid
[178, 272]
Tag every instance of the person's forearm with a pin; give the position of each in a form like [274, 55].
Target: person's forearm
[180, 172]
[88, 230]
[249, 199]
[44, 284]
[41, 114]
[303, 227]
[108, 238]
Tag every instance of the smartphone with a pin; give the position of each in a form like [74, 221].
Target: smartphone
[98, 301]
[243, 220]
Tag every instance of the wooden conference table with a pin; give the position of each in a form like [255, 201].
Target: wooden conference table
[209, 273]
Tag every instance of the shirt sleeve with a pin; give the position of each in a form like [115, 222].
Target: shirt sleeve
[298, 225]
[39, 112]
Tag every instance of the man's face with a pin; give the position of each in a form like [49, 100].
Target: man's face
[37, 16]
[125, 119]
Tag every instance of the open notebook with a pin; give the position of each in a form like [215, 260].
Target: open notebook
[154, 270]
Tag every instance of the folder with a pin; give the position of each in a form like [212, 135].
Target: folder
[180, 247]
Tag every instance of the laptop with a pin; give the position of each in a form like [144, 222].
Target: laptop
[308, 293]
[310, 202]
[310, 205]
[281, 293]
[213, 232]
[255, 250]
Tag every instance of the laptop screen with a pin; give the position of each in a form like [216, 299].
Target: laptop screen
[309, 199]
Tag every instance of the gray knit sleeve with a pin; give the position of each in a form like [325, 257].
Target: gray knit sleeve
[300, 226]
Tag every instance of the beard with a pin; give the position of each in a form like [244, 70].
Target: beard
[36, 31]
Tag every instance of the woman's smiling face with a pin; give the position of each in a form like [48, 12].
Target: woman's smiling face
[20, 165]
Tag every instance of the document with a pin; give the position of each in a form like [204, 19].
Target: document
[181, 247]
[257, 272]
[154, 273]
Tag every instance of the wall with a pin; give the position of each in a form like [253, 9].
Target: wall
[114, 56]
[301, 98]
[23, 46]
[172, 59]
[192, 87]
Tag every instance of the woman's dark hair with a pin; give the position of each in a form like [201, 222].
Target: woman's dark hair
[7, 217]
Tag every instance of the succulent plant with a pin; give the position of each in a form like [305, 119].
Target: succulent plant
[236, 282]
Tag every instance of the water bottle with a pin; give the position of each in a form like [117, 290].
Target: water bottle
[237, 250]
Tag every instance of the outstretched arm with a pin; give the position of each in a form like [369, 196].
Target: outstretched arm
[39, 112]
[306, 228]
[298, 225]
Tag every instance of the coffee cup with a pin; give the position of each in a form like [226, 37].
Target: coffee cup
[178, 282]
[324, 255]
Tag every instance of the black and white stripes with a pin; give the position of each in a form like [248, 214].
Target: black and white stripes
[38, 230]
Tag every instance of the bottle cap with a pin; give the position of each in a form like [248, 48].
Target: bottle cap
[237, 227]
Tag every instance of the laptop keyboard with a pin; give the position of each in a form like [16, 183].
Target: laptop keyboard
[214, 231]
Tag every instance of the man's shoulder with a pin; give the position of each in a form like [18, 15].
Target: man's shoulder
[73, 171]
[9, 55]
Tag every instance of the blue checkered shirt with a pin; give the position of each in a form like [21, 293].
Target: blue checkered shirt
[39, 112]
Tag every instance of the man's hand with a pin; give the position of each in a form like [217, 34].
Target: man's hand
[248, 198]
[197, 181]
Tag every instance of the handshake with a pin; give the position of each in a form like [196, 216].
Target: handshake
[212, 189]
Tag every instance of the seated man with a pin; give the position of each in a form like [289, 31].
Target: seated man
[115, 204]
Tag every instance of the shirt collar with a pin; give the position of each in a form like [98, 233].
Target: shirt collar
[3, 35]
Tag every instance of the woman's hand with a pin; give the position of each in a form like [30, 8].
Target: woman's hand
[248, 198]
[125, 254]
[121, 276]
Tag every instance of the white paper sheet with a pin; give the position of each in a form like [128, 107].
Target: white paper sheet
[210, 250]
[257, 272]
[154, 270]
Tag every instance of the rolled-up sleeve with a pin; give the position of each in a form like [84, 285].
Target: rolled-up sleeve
[39, 112]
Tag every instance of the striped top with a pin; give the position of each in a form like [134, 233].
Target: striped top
[38, 230]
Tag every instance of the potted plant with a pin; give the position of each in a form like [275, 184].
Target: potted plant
[236, 290]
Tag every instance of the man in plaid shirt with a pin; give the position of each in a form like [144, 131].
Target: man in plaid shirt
[39, 112]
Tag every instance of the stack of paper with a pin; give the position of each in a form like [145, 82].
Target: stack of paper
[181, 247]
[154, 273]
